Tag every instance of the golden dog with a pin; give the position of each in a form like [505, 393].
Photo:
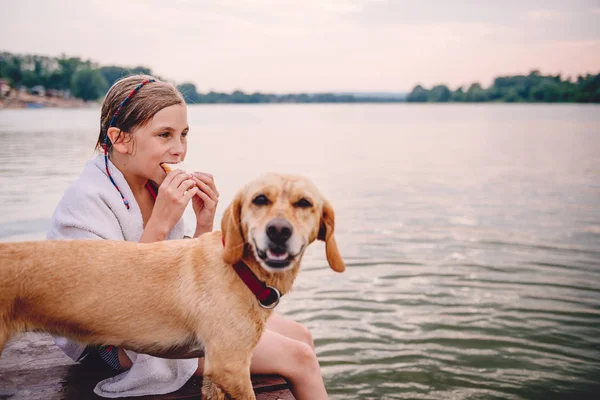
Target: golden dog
[175, 296]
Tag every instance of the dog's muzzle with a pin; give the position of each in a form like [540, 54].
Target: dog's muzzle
[278, 231]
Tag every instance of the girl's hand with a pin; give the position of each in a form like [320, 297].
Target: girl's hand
[174, 195]
[204, 202]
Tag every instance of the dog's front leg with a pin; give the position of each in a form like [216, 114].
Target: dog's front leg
[227, 375]
[3, 337]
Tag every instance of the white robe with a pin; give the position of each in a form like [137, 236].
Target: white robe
[92, 208]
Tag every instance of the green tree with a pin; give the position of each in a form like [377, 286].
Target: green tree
[476, 93]
[189, 93]
[88, 84]
[418, 94]
[458, 95]
[512, 96]
[440, 93]
[67, 68]
[113, 73]
[30, 79]
[587, 88]
[546, 91]
[10, 68]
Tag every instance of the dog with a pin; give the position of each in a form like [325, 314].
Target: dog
[212, 294]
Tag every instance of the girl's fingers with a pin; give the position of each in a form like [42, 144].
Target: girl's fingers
[171, 176]
[212, 194]
[176, 182]
[185, 185]
[208, 202]
[187, 196]
[207, 179]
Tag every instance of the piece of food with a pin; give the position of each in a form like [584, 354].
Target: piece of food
[168, 167]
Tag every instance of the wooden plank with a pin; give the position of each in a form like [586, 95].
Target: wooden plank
[33, 367]
[261, 383]
[78, 382]
[32, 351]
[284, 394]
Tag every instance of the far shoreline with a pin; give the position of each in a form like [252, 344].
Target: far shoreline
[25, 100]
[65, 104]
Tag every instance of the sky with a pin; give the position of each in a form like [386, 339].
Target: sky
[282, 46]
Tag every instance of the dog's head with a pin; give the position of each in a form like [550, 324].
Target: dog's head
[278, 216]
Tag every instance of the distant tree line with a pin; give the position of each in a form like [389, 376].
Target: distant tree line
[534, 87]
[89, 81]
[238, 97]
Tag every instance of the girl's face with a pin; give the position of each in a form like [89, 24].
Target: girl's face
[162, 139]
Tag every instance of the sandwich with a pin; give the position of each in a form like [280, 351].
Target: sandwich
[168, 167]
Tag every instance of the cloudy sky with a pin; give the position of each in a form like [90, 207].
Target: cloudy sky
[314, 45]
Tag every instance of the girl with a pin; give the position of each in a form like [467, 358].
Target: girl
[124, 194]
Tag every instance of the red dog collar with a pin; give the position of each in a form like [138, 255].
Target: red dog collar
[268, 296]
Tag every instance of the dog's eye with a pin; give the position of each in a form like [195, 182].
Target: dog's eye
[261, 200]
[303, 203]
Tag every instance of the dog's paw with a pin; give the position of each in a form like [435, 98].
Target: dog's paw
[210, 391]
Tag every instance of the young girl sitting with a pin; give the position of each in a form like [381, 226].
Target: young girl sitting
[124, 194]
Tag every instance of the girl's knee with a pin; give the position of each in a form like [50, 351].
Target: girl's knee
[290, 328]
[306, 336]
[303, 357]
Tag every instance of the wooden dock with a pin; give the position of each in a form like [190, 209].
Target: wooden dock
[33, 367]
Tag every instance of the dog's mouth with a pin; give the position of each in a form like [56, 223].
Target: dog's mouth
[276, 257]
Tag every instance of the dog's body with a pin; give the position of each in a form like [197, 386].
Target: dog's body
[172, 296]
[132, 295]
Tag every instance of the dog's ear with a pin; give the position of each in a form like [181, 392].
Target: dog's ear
[231, 228]
[326, 228]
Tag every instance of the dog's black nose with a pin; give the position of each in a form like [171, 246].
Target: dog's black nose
[279, 230]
